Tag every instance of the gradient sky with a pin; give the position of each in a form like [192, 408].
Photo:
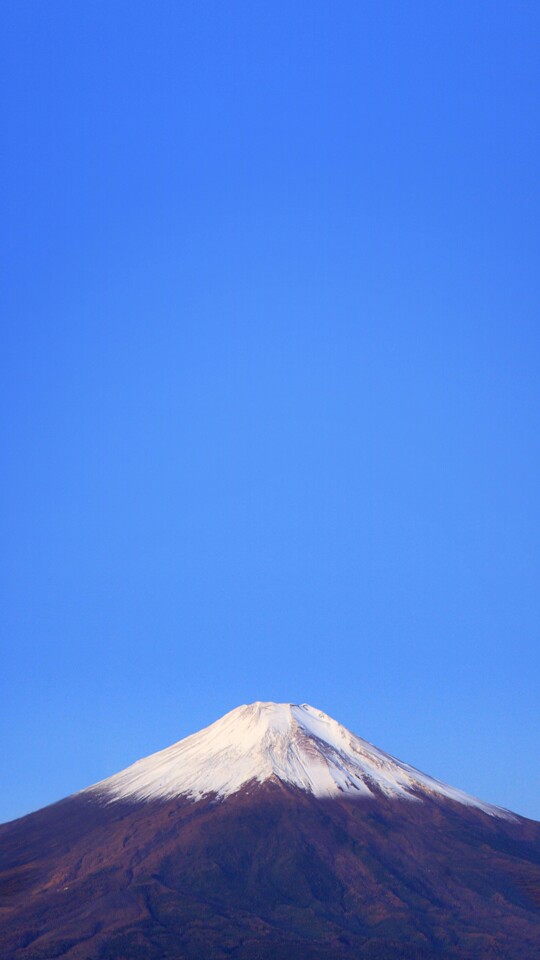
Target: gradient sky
[270, 380]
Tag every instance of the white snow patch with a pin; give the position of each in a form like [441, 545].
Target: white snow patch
[299, 745]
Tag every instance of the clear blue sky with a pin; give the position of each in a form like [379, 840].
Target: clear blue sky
[270, 380]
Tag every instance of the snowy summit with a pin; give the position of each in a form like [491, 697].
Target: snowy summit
[298, 745]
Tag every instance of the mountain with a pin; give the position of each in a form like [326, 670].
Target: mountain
[297, 745]
[273, 834]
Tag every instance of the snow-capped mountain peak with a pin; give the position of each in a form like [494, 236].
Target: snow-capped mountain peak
[298, 745]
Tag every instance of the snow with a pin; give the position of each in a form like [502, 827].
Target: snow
[298, 745]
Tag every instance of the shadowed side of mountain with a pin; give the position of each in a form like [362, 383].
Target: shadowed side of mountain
[270, 872]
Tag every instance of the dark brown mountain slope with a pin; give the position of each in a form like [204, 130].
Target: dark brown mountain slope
[269, 873]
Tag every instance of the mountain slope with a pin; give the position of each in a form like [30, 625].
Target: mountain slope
[272, 870]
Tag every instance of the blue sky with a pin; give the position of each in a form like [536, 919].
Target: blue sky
[270, 381]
